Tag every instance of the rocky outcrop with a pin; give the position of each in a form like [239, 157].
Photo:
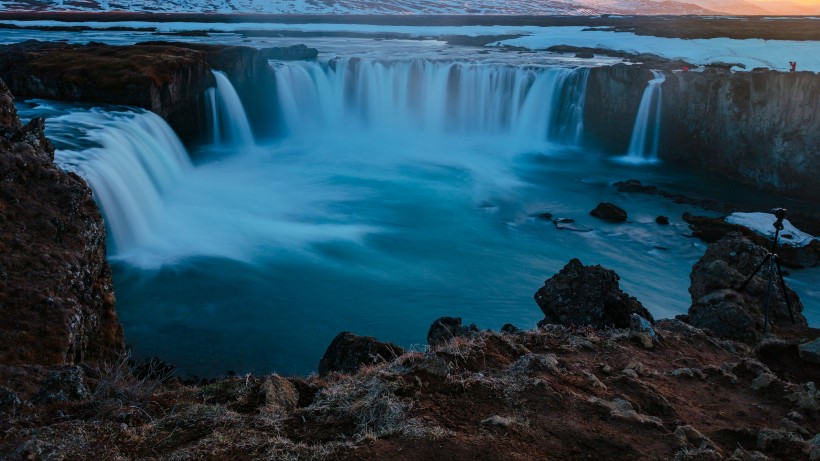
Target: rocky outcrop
[164, 77]
[447, 328]
[759, 128]
[721, 306]
[348, 352]
[581, 295]
[56, 298]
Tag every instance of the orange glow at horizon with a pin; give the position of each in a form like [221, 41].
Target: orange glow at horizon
[809, 3]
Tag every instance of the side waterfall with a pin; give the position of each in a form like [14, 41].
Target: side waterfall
[431, 98]
[228, 121]
[128, 159]
[643, 146]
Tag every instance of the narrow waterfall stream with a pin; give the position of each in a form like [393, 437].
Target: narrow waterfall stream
[646, 133]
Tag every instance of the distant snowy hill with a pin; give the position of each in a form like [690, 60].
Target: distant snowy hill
[517, 7]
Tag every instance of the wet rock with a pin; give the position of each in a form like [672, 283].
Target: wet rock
[719, 305]
[349, 352]
[543, 216]
[280, 392]
[584, 55]
[570, 225]
[447, 328]
[810, 351]
[609, 212]
[662, 220]
[587, 295]
[633, 185]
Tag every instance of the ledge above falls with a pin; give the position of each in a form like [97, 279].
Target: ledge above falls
[167, 78]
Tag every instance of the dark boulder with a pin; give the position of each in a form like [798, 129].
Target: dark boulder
[447, 328]
[68, 384]
[609, 212]
[349, 352]
[587, 295]
[719, 305]
[662, 220]
[633, 185]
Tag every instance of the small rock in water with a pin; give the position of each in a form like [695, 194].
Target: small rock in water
[609, 212]
[662, 220]
[544, 216]
[569, 224]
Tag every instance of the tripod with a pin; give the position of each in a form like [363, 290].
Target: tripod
[771, 258]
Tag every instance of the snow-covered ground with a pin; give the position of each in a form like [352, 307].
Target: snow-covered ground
[751, 53]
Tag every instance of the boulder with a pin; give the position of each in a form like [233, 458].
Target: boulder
[349, 352]
[719, 305]
[609, 212]
[587, 295]
[279, 392]
[662, 220]
[447, 328]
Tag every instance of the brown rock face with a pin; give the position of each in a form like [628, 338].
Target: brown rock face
[56, 298]
[587, 295]
[719, 305]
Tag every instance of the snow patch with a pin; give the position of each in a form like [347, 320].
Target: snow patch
[762, 223]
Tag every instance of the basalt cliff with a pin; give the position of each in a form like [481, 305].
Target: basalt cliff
[759, 128]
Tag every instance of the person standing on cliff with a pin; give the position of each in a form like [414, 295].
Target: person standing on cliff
[792, 66]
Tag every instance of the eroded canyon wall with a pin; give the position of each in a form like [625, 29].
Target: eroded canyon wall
[760, 128]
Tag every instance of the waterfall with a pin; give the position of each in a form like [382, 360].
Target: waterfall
[431, 98]
[227, 118]
[129, 159]
[643, 146]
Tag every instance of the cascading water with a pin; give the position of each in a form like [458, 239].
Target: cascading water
[129, 158]
[436, 98]
[643, 146]
[229, 123]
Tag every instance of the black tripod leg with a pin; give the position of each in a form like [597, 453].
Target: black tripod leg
[769, 287]
[757, 269]
[785, 294]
